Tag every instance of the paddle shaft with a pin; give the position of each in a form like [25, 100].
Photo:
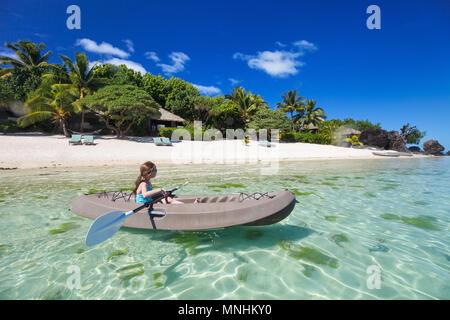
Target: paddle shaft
[148, 204]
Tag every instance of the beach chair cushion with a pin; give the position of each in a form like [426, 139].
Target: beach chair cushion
[158, 141]
[166, 141]
[76, 139]
[88, 140]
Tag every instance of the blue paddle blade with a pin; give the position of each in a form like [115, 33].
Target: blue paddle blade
[104, 227]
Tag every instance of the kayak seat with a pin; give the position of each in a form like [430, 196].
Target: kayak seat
[213, 199]
[223, 199]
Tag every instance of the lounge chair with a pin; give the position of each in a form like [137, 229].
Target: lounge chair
[158, 142]
[76, 139]
[264, 143]
[166, 141]
[89, 140]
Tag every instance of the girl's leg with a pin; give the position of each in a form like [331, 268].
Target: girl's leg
[171, 201]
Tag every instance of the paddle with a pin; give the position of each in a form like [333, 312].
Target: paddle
[108, 224]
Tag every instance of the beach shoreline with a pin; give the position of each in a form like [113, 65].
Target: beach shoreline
[37, 150]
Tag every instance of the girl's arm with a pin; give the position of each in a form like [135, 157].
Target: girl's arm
[151, 193]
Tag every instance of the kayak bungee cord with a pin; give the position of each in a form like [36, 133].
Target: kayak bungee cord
[256, 196]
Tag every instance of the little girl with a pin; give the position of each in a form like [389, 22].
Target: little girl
[143, 189]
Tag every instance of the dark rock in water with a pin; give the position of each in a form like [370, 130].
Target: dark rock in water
[396, 142]
[448, 153]
[379, 247]
[375, 137]
[433, 147]
[415, 149]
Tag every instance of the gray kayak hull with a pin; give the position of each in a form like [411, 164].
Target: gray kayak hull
[213, 211]
[392, 154]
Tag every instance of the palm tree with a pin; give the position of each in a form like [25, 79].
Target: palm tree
[50, 101]
[258, 102]
[310, 114]
[29, 55]
[247, 102]
[83, 78]
[291, 103]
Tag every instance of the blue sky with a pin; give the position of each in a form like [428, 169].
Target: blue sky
[395, 75]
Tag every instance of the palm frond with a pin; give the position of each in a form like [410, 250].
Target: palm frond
[34, 117]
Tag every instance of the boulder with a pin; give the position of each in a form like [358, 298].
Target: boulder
[396, 142]
[375, 138]
[448, 153]
[415, 149]
[433, 147]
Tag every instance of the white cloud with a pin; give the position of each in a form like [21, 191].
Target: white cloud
[178, 61]
[41, 35]
[275, 63]
[234, 81]
[278, 63]
[102, 48]
[151, 55]
[280, 44]
[129, 44]
[305, 45]
[210, 91]
[130, 64]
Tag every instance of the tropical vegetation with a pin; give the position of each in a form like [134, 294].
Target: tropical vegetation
[411, 134]
[121, 106]
[54, 102]
[59, 95]
[292, 104]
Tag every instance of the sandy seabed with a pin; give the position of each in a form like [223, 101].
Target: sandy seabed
[35, 150]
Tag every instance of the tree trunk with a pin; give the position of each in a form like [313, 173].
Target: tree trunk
[64, 128]
[129, 127]
[82, 113]
[113, 129]
[82, 119]
[292, 121]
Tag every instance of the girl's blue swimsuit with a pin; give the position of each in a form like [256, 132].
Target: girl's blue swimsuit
[140, 198]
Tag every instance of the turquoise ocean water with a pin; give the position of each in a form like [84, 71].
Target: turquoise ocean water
[372, 229]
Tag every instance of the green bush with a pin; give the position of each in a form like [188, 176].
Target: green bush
[308, 137]
[305, 137]
[9, 127]
[167, 131]
[288, 136]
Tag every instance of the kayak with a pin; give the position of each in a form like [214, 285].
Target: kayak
[386, 154]
[392, 154]
[211, 211]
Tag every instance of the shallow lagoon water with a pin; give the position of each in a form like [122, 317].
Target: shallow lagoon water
[352, 216]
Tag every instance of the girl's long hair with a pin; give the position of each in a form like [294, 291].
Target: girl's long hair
[146, 171]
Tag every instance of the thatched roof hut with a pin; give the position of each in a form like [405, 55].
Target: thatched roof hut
[169, 116]
[349, 132]
[167, 119]
[309, 127]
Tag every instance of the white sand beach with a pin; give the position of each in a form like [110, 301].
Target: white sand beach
[35, 150]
